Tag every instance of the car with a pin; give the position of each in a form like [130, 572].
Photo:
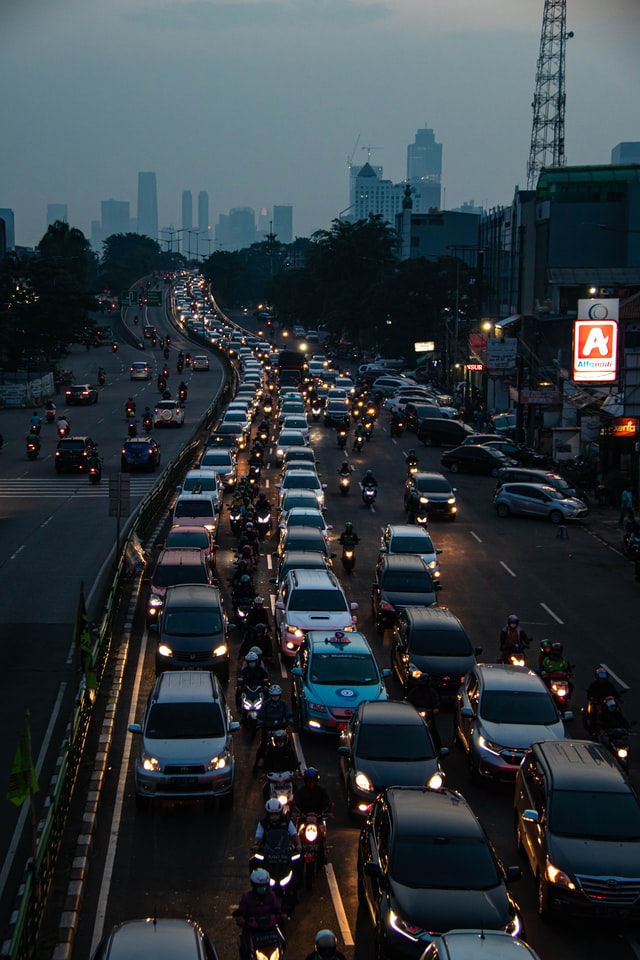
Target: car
[302, 480]
[222, 461]
[431, 640]
[298, 454]
[303, 517]
[385, 743]
[441, 431]
[472, 458]
[73, 453]
[200, 362]
[298, 498]
[298, 560]
[193, 535]
[404, 538]
[238, 417]
[289, 438]
[139, 453]
[336, 414]
[176, 565]
[193, 630]
[333, 672]
[140, 370]
[239, 407]
[197, 508]
[433, 495]
[204, 480]
[166, 938]
[401, 581]
[577, 821]
[537, 500]
[305, 539]
[478, 945]
[168, 413]
[505, 424]
[232, 435]
[295, 421]
[517, 451]
[500, 711]
[186, 748]
[80, 393]
[387, 385]
[310, 600]
[520, 474]
[415, 413]
[426, 866]
[292, 408]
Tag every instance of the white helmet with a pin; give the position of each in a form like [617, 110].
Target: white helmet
[273, 806]
[252, 657]
[275, 690]
[260, 878]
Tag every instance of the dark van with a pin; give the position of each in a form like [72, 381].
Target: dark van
[415, 413]
[438, 432]
[431, 640]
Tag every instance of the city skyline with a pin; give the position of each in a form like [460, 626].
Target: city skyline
[278, 92]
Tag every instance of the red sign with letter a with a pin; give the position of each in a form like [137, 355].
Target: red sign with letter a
[595, 342]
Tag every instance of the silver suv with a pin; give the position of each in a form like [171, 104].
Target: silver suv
[168, 413]
[186, 750]
[311, 600]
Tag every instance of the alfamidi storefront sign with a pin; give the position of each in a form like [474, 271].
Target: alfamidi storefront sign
[595, 341]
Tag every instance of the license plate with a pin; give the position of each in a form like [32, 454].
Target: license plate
[184, 781]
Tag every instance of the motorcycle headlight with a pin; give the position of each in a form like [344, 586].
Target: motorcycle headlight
[311, 832]
[155, 602]
[363, 783]
[150, 763]
[622, 753]
[559, 877]
[164, 650]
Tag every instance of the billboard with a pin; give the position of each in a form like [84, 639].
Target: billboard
[595, 341]
[502, 354]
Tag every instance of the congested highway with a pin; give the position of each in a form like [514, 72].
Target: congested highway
[183, 859]
[186, 859]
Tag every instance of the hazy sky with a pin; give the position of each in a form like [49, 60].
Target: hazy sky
[260, 102]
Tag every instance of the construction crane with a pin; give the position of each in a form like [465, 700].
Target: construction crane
[353, 153]
[547, 131]
[369, 148]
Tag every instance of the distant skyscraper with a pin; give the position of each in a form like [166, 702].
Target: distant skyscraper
[97, 236]
[187, 210]
[354, 172]
[116, 217]
[6, 214]
[283, 223]
[241, 227]
[626, 152]
[148, 205]
[424, 171]
[203, 215]
[376, 196]
[57, 211]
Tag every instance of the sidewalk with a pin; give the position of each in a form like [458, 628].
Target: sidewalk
[602, 522]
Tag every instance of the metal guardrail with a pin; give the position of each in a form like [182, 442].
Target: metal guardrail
[33, 893]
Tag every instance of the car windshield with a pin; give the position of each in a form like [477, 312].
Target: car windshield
[191, 623]
[390, 742]
[306, 520]
[400, 582]
[444, 863]
[71, 445]
[184, 721]
[217, 459]
[315, 543]
[168, 574]
[433, 485]
[412, 543]
[440, 643]
[298, 481]
[332, 668]
[201, 482]
[518, 706]
[317, 600]
[188, 538]
[194, 508]
[597, 816]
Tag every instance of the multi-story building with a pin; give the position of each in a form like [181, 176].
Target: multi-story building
[116, 217]
[237, 229]
[187, 210]
[283, 223]
[148, 205]
[424, 171]
[6, 214]
[57, 212]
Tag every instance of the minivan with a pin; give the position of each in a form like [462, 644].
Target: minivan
[431, 640]
[577, 820]
[415, 413]
[436, 431]
[193, 631]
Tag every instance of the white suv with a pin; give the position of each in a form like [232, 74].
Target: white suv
[168, 413]
[311, 600]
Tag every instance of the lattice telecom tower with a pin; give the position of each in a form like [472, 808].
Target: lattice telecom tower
[547, 132]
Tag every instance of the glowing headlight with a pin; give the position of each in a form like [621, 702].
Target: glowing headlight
[363, 783]
[406, 929]
[150, 763]
[165, 651]
[217, 763]
[220, 651]
[436, 782]
[622, 753]
[295, 632]
[155, 601]
[424, 499]
[451, 500]
[554, 875]
[311, 832]
[514, 927]
[485, 744]
[283, 798]
[433, 564]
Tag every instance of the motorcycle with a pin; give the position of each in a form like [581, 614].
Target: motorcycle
[316, 410]
[397, 428]
[358, 443]
[263, 435]
[279, 786]
[348, 559]
[264, 939]
[187, 360]
[235, 520]
[515, 655]
[114, 347]
[342, 439]
[129, 410]
[267, 408]
[241, 607]
[312, 830]
[33, 449]
[558, 683]
[162, 384]
[251, 703]
[147, 424]
[64, 430]
[50, 415]
[412, 469]
[344, 484]
[617, 741]
[182, 395]
[102, 379]
[369, 495]
[368, 429]
[263, 522]
[282, 865]
[95, 473]
[132, 428]
[180, 366]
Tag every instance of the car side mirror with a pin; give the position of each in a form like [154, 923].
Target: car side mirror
[438, 550]
[531, 816]
[353, 606]
[386, 673]
[296, 671]
[373, 869]
[135, 728]
[467, 712]
[443, 752]
[512, 874]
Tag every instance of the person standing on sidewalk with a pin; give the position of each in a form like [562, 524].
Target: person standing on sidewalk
[626, 506]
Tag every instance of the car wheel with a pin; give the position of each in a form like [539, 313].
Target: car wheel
[454, 467]
[503, 510]
[556, 516]
[542, 896]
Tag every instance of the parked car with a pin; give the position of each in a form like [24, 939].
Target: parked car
[139, 453]
[441, 431]
[434, 494]
[386, 743]
[426, 866]
[505, 424]
[401, 581]
[432, 640]
[469, 458]
[520, 474]
[81, 393]
[537, 500]
[186, 748]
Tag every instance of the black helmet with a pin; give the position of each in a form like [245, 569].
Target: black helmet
[556, 647]
[513, 620]
[326, 944]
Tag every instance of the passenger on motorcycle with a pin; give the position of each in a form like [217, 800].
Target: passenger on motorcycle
[276, 715]
[280, 755]
[276, 819]
[256, 907]
[311, 797]
[326, 947]
[424, 697]
[63, 424]
[512, 637]
[258, 637]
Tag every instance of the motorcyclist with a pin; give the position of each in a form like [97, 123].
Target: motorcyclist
[263, 507]
[276, 819]
[102, 373]
[182, 389]
[244, 588]
[348, 537]
[611, 718]
[396, 422]
[369, 480]
[258, 614]
[599, 690]
[311, 797]
[240, 572]
[543, 653]
[94, 460]
[250, 538]
[280, 755]
[258, 637]
[50, 405]
[130, 407]
[247, 554]
[33, 438]
[345, 469]
[512, 637]
[63, 424]
[556, 662]
[36, 422]
[412, 460]
[260, 904]
[326, 947]
[252, 674]
[276, 715]
[424, 696]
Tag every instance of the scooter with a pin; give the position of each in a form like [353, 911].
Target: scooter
[369, 495]
[102, 379]
[263, 522]
[342, 439]
[64, 431]
[315, 412]
[344, 484]
[235, 520]
[358, 443]
[312, 830]
[95, 473]
[132, 428]
[397, 428]
[515, 655]
[251, 703]
[33, 449]
[147, 424]
[412, 469]
[182, 395]
[279, 786]
[558, 683]
[50, 415]
[264, 939]
[348, 559]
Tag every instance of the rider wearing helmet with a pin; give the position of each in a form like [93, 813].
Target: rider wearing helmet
[543, 653]
[556, 662]
[369, 480]
[345, 469]
[611, 717]
[276, 819]
[252, 673]
[258, 614]
[311, 797]
[412, 460]
[276, 715]
[280, 755]
[513, 638]
[245, 587]
[258, 905]
[348, 537]
[326, 947]
[601, 687]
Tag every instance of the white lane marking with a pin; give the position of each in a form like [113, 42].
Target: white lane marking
[338, 906]
[25, 809]
[19, 550]
[48, 520]
[107, 874]
[508, 569]
[551, 613]
[269, 562]
[475, 536]
[297, 742]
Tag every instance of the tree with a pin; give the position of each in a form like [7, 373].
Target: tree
[126, 257]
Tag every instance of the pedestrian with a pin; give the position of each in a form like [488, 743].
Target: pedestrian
[626, 506]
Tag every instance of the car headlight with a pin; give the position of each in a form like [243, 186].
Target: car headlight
[559, 877]
[424, 499]
[494, 748]
[317, 707]
[164, 650]
[220, 651]
[150, 763]
[218, 763]
[294, 632]
[451, 500]
[433, 564]
[154, 601]
[414, 671]
[403, 927]
[363, 782]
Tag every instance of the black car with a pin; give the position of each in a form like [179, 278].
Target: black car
[336, 414]
[193, 631]
[440, 431]
[426, 866]
[432, 641]
[475, 458]
[386, 743]
[226, 440]
[402, 580]
[81, 393]
[139, 453]
[73, 453]
[432, 493]
[525, 456]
